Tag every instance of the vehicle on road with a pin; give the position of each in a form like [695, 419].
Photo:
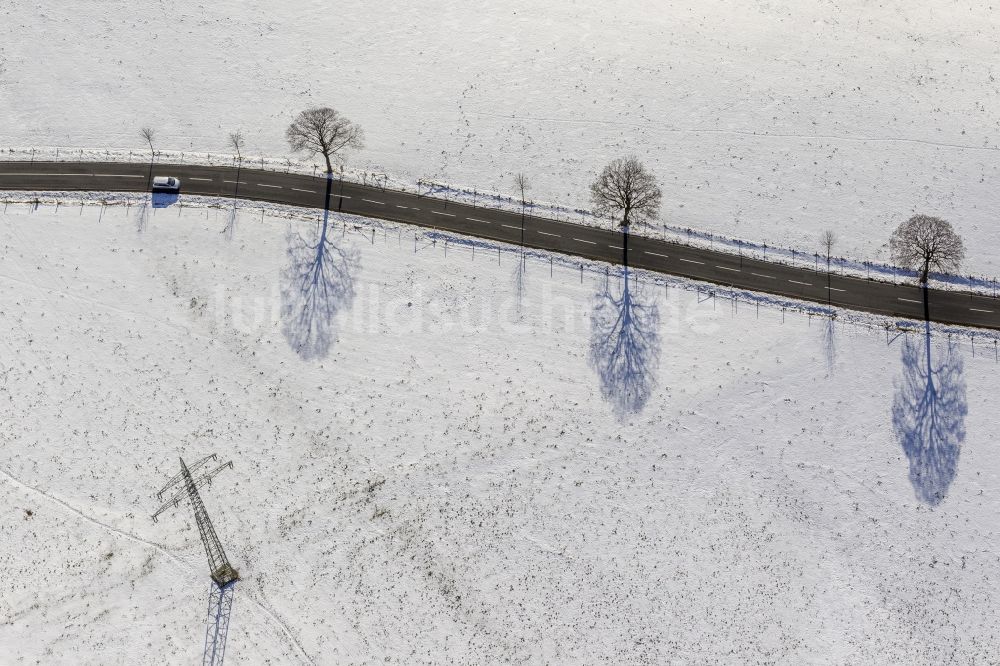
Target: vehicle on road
[166, 184]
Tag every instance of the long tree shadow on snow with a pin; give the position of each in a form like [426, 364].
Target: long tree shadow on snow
[317, 283]
[624, 346]
[928, 415]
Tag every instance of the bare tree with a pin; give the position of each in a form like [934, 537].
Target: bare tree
[323, 131]
[148, 134]
[236, 142]
[522, 184]
[828, 239]
[926, 242]
[627, 192]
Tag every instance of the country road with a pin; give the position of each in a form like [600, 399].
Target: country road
[896, 300]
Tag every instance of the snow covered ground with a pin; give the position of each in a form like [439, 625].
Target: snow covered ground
[441, 460]
[765, 121]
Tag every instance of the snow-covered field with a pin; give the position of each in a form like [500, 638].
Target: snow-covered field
[767, 121]
[437, 461]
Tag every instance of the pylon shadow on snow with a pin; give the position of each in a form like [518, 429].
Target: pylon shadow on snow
[928, 415]
[317, 283]
[220, 609]
[624, 346]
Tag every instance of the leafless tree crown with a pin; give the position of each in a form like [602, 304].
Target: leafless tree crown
[148, 134]
[522, 184]
[627, 192]
[323, 131]
[926, 242]
[828, 239]
[236, 142]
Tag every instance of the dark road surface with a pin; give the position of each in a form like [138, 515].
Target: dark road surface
[652, 254]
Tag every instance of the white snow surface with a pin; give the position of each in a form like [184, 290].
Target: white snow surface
[765, 121]
[441, 471]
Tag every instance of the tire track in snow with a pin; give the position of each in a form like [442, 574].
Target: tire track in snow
[155, 546]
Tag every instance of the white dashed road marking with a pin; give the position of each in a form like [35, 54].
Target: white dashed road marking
[692, 261]
[908, 300]
[99, 175]
[445, 214]
[380, 203]
[277, 187]
[808, 284]
[545, 233]
[580, 240]
[474, 219]
[655, 254]
[769, 277]
[309, 191]
[726, 268]
[978, 310]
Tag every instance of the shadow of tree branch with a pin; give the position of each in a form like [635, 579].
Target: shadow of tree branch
[317, 283]
[928, 416]
[624, 347]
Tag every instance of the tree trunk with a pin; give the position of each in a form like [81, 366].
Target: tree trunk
[625, 249]
[926, 272]
[329, 167]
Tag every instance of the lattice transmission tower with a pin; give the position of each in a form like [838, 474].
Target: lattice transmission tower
[198, 475]
[224, 576]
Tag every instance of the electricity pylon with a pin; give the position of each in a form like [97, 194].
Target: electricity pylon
[218, 565]
[224, 576]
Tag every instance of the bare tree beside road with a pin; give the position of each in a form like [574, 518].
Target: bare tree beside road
[828, 239]
[925, 242]
[628, 194]
[323, 131]
[522, 184]
[149, 134]
[236, 142]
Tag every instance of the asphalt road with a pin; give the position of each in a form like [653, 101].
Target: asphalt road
[722, 268]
